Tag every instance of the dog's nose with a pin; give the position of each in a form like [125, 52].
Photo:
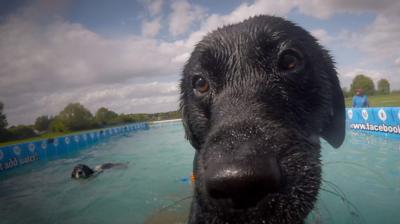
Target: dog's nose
[245, 183]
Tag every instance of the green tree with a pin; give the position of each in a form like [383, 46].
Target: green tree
[21, 132]
[5, 135]
[383, 86]
[105, 116]
[3, 118]
[76, 117]
[42, 123]
[56, 125]
[362, 82]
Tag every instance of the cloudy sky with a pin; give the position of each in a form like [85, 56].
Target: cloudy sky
[128, 55]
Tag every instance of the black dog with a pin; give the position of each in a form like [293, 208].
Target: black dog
[81, 171]
[255, 98]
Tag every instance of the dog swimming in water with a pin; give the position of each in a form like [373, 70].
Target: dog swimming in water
[255, 99]
[82, 171]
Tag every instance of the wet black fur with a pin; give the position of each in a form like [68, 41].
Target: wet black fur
[85, 171]
[252, 100]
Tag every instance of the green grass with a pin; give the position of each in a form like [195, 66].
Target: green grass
[392, 100]
[40, 137]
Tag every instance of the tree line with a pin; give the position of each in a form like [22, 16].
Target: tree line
[367, 85]
[74, 117]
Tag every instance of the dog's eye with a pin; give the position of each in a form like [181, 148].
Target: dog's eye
[290, 60]
[200, 85]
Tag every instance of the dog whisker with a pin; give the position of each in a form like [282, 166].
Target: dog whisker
[328, 216]
[175, 203]
[354, 213]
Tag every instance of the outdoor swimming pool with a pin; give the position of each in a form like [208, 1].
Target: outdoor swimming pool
[366, 169]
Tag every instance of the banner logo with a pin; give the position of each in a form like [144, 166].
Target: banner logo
[31, 147]
[364, 114]
[55, 143]
[44, 145]
[382, 115]
[66, 139]
[17, 150]
[350, 114]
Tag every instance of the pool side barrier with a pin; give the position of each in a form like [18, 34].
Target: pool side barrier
[17, 155]
[382, 121]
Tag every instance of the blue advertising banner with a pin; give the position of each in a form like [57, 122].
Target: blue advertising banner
[383, 121]
[46, 149]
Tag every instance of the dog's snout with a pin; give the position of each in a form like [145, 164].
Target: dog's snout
[245, 182]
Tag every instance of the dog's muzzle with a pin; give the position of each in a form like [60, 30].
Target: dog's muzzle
[244, 177]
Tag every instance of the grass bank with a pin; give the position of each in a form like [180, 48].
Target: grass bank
[42, 136]
[391, 100]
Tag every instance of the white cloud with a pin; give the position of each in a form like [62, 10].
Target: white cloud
[326, 8]
[381, 39]
[155, 7]
[322, 36]
[397, 61]
[68, 55]
[151, 28]
[183, 15]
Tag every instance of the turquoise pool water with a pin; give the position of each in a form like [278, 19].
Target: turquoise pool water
[361, 183]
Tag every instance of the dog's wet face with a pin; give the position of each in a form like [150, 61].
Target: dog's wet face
[255, 97]
[81, 171]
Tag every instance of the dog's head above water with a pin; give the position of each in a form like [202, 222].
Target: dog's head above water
[255, 97]
[81, 171]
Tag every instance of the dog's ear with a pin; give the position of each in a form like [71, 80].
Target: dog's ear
[334, 130]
